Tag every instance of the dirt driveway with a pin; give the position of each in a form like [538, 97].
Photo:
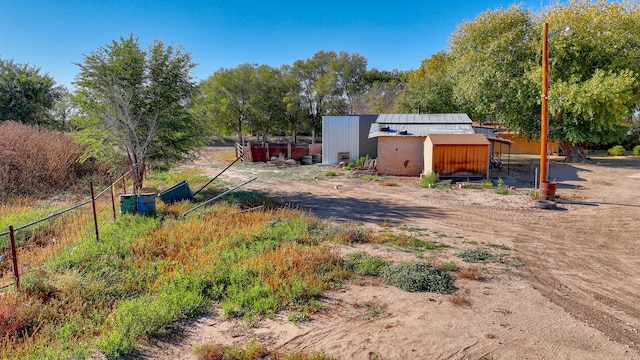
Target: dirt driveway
[567, 285]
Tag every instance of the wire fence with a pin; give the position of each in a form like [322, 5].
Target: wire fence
[27, 246]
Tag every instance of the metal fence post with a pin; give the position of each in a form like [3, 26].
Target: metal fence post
[95, 215]
[14, 255]
[113, 202]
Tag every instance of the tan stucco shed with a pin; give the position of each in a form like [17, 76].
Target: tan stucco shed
[457, 155]
[401, 139]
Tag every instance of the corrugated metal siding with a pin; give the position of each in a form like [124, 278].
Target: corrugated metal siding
[460, 159]
[367, 146]
[424, 119]
[420, 129]
[339, 134]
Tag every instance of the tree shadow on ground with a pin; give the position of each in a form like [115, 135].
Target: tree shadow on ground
[566, 175]
[358, 209]
[616, 161]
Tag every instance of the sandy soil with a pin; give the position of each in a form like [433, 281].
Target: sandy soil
[567, 286]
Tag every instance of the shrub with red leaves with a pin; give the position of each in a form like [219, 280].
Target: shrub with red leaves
[36, 161]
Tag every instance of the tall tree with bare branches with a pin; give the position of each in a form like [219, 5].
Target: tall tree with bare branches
[136, 102]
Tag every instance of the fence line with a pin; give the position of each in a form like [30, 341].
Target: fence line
[217, 196]
[33, 245]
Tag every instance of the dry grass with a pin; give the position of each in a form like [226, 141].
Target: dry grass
[460, 300]
[225, 156]
[216, 351]
[388, 183]
[470, 274]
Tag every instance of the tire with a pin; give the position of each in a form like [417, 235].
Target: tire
[546, 204]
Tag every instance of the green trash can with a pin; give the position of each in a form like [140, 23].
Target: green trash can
[177, 192]
[128, 203]
[147, 203]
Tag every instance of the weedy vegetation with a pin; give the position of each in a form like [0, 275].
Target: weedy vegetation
[448, 266]
[417, 276]
[429, 180]
[147, 272]
[474, 255]
[502, 188]
[217, 351]
[361, 263]
[487, 184]
[388, 183]
[413, 242]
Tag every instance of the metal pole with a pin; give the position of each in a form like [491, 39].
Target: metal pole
[95, 215]
[217, 196]
[113, 202]
[14, 255]
[544, 115]
[220, 173]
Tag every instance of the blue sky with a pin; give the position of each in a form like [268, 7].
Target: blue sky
[53, 35]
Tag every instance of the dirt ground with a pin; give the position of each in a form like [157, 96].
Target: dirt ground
[566, 285]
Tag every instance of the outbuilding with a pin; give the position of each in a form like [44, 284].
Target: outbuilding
[457, 156]
[345, 138]
[401, 139]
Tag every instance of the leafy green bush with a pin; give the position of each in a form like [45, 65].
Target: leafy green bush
[617, 150]
[502, 188]
[417, 276]
[429, 179]
[636, 150]
[474, 255]
[362, 263]
[330, 173]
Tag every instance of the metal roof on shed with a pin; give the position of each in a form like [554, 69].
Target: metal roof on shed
[418, 129]
[420, 125]
[423, 119]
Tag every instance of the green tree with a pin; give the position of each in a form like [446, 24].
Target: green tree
[27, 96]
[489, 64]
[378, 91]
[225, 98]
[594, 74]
[495, 64]
[267, 100]
[136, 102]
[326, 82]
[429, 89]
[63, 111]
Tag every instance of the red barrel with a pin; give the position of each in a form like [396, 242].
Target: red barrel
[548, 190]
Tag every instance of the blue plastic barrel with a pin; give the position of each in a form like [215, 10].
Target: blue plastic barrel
[147, 203]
